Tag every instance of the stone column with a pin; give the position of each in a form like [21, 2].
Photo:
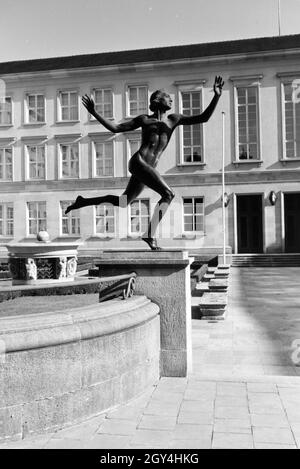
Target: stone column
[164, 277]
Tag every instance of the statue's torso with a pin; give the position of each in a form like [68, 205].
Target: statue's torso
[156, 135]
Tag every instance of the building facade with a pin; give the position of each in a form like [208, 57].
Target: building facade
[51, 150]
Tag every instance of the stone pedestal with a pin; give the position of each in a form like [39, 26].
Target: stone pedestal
[218, 285]
[213, 305]
[164, 277]
[37, 262]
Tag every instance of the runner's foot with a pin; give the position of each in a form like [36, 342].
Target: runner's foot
[152, 243]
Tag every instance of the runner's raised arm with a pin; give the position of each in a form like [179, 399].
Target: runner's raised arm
[132, 124]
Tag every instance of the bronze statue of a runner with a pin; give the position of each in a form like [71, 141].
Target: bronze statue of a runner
[157, 129]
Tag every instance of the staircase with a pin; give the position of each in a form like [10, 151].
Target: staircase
[265, 260]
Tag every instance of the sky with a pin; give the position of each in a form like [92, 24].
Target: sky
[31, 29]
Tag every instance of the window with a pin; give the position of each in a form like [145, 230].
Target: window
[6, 164]
[35, 108]
[105, 219]
[6, 111]
[69, 160]
[193, 214]
[36, 161]
[192, 134]
[37, 217]
[292, 122]
[68, 106]
[6, 219]
[103, 98]
[247, 123]
[139, 216]
[137, 100]
[104, 159]
[70, 223]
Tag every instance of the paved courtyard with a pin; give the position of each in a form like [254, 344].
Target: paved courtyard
[244, 391]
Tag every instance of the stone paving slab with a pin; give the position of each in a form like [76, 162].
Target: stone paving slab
[228, 421]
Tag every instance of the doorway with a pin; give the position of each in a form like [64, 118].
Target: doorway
[292, 222]
[249, 224]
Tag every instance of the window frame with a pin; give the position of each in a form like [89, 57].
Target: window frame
[4, 220]
[67, 142]
[28, 234]
[248, 81]
[105, 235]
[37, 144]
[139, 233]
[8, 147]
[102, 139]
[59, 119]
[127, 93]
[69, 217]
[188, 86]
[26, 119]
[285, 79]
[193, 232]
[103, 88]
[9, 95]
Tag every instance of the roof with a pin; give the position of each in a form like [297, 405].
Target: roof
[210, 49]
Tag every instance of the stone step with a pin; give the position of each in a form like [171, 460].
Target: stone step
[201, 288]
[207, 277]
[221, 273]
[223, 266]
[266, 260]
[218, 284]
[211, 270]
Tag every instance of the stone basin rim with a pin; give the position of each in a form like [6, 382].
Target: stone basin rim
[62, 327]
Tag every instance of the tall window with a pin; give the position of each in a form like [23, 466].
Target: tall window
[37, 217]
[104, 102]
[193, 214]
[139, 216]
[137, 100]
[105, 219]
[35, 108]
[6, 111]
[104, 158]
[6, 165]
[70, 223]
[6, 219]
[36, 161]
[68, 106]
[192, 134]
[69, 160]
[247, 123]
[292, 123]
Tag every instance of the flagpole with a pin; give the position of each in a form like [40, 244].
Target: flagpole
[223, 187]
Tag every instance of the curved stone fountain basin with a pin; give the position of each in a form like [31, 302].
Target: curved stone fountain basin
[59, 368]
[42, 262]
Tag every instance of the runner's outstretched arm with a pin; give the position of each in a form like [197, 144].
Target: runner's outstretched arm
[132, 124]
[205, 115]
